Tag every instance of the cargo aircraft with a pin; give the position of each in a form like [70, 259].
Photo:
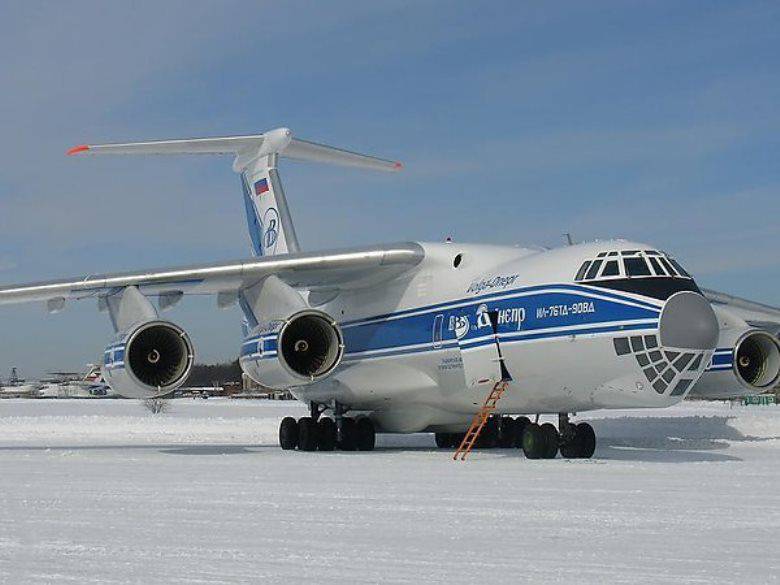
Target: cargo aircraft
[412, 336]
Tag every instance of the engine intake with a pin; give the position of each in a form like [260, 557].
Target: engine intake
[150, 360]
[159, 355]
[297, 350]
[310, 345]
[757, 360]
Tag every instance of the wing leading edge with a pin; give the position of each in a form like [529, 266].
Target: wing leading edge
[329, 270]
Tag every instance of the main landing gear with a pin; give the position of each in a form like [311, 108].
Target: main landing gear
[318, 433]
[574, 441]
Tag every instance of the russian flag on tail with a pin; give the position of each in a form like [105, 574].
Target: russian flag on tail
[261, 187]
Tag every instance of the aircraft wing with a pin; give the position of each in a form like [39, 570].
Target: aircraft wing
[754, 314]
[743, 305]
[330, 270]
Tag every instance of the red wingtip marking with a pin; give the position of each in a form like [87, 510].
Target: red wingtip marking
[398, 166]
[77, 149]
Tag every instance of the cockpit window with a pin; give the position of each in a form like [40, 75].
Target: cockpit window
[611, 268]
[583, 269]
[637, 267]
[668, 267]
[594, 270]
[659, 270]
[614, 264]
[679, 268]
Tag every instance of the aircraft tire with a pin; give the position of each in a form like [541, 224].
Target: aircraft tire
[457, 439]
[507, 435]
[534, 441]
[365, 434]
[326, 434]
[444, 440]
[348, 440]
[570, 448]
[520, 423]
[551, 440]
[307, 434]
[288, 433]
[585, 439]
[488, 438]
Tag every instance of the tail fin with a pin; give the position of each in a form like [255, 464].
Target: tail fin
[270, 224]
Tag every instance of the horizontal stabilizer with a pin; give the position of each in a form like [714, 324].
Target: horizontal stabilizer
[246, 149]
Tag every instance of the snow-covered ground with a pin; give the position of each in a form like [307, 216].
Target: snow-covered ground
[101, 491]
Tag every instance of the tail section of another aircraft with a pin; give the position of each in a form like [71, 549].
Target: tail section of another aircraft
[270, 223]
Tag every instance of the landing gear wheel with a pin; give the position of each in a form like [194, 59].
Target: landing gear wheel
[586, 440]
[365, 434]
[348, 439]
[444, 440]
[507, 432]
[569, 448]
[327, 434]
[457, 439]
[551, 440]
[488, 438]
[288, 433]
[307, 434]
[521, 422]
[581, 444]
[534, 441]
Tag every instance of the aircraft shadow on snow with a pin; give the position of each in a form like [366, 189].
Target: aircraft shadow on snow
[629, 438]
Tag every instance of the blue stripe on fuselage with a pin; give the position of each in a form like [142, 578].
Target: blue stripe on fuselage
[525, 314]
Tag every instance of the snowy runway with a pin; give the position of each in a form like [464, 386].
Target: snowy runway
[104, 492]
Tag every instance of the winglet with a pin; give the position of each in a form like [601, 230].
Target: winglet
[77, 149]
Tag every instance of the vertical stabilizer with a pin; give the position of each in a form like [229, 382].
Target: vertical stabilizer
[270, 224]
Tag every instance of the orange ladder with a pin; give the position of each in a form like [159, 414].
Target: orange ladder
[480, 419]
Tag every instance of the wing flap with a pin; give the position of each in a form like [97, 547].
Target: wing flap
[337, 269]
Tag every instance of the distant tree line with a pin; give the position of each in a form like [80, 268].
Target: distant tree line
[214, 374]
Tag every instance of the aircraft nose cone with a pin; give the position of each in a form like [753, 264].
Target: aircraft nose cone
[688, 322]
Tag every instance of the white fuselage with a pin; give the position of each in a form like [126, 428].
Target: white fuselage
[420, 350]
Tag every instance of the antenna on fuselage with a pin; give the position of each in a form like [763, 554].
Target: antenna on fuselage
[569, 241]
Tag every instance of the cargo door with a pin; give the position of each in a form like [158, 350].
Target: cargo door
[480, 350]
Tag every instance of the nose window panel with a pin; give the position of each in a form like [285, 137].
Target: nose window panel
[636, 267]
[668, 267]
[594, 270]
[611, 269]
[583, 269]
[659, 270]
[681, 271]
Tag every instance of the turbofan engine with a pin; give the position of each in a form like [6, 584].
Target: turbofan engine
[757, 361]
[152, 359]
[304, 348]
[747, 360]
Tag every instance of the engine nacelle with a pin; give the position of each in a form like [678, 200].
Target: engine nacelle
[746, 362]
[299, 350]
[152, 359]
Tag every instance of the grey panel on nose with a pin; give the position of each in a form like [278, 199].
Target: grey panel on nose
[688, 322]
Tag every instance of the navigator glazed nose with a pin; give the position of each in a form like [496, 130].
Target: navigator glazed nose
[688, 322]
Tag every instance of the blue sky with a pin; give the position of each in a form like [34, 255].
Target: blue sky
[517, 121]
